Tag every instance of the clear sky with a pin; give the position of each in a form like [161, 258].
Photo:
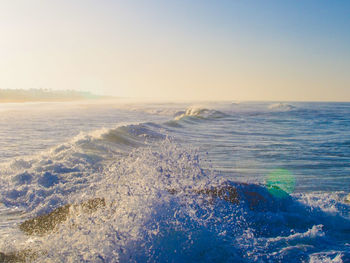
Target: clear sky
[181, 49]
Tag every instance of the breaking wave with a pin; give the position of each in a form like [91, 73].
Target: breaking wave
[200, 113]
[281, 107]
[156, 203]
[40, 182]
[160, 205]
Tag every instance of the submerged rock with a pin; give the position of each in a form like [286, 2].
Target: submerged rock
[46, 223]
[256, 197]
[16, 257]
[226, 192]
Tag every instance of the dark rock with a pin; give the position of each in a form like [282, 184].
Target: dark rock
[46, 223]
[16, 257]
[226, 192]
[255, 196]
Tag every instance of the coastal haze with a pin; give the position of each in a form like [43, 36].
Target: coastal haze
[176, 50]
[174, 131]
[37, 95]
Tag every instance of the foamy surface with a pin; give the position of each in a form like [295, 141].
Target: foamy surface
[152, 162]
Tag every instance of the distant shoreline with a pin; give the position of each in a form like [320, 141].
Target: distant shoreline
[53, 100]
[44, 95]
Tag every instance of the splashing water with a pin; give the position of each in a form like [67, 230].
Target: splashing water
[166, 200]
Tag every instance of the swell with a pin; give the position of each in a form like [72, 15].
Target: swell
[160, 204]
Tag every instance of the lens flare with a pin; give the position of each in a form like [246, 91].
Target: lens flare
[280, 182]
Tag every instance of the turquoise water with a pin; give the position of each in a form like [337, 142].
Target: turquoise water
[288, 164]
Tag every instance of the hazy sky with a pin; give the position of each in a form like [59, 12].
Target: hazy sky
[181, 49]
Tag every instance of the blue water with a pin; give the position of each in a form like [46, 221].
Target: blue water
[312, 140]
[153, 162]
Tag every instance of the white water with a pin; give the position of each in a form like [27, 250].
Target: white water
[148, 173]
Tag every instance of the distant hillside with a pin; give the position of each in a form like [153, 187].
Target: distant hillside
[32, 95]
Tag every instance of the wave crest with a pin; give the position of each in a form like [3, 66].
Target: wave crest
[281, 107]
[161, 205]
[200, 113]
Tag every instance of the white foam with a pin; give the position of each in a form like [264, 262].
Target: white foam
[281, 107]
[199, 112]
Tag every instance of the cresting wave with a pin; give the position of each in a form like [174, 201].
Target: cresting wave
[69, 167]
[160, 205]
[200, 113]
[281, 107]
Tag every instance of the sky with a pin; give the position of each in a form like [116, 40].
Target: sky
[179, 50]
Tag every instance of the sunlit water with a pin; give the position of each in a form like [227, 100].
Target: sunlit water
[136, 156]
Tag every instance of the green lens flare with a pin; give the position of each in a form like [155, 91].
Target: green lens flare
[280, 183]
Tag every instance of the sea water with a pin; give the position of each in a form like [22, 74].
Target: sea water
[151, 161]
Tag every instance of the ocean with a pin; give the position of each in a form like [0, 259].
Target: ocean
[175, 182]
